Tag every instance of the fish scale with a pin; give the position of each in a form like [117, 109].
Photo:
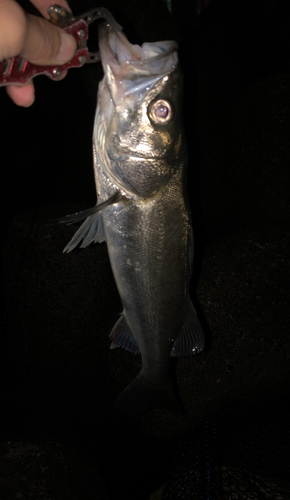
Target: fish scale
[153, 297]
[140, 160]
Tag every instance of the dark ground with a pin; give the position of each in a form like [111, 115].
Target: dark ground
[61, 437]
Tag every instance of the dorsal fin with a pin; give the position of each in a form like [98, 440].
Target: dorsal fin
[191, 337]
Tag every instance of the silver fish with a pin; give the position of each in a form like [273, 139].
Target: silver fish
[140, 160]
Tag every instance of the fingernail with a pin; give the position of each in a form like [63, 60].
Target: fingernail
[68, 48]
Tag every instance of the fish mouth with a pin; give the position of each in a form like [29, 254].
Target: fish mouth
[134, 67]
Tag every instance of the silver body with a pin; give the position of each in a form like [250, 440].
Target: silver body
[147, 231]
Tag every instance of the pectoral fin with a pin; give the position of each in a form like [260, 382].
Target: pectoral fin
[191, 337]
[91, 231]
[78, 216]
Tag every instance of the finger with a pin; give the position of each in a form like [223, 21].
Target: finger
[42, 6]
[32, 37]
[47, 44]
[25, 95]
[22, 96]
[12, 28]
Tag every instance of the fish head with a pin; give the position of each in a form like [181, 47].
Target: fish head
[138, 130]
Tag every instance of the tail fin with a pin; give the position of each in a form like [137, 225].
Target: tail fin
[139, 397]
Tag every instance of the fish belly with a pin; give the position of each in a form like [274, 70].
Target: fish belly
[148, 249]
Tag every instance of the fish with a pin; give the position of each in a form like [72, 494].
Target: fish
[142, 212]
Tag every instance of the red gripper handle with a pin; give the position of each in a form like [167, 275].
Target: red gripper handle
[18, 71]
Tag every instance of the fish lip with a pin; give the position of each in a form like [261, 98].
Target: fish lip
[138, 61]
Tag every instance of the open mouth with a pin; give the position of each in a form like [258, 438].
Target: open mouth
[129, 61]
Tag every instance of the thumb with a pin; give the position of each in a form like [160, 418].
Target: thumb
[46, 44]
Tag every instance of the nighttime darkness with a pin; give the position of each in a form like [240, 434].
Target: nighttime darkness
[61, 436]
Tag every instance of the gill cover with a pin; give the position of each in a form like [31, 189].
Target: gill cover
[138, 128]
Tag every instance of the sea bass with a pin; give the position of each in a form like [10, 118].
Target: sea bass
[140, 160]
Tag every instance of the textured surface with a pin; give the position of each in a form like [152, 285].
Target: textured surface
[148, 231]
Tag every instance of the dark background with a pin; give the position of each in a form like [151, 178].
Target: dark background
[61, 437]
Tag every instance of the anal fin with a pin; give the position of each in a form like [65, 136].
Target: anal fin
[122, 336]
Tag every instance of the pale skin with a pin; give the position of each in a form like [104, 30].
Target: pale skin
[34, 39]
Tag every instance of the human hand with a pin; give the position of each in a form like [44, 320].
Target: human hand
[34, 39]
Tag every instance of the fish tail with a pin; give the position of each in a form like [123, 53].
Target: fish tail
[140, 396]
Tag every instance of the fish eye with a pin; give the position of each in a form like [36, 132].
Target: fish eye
[161, 112]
